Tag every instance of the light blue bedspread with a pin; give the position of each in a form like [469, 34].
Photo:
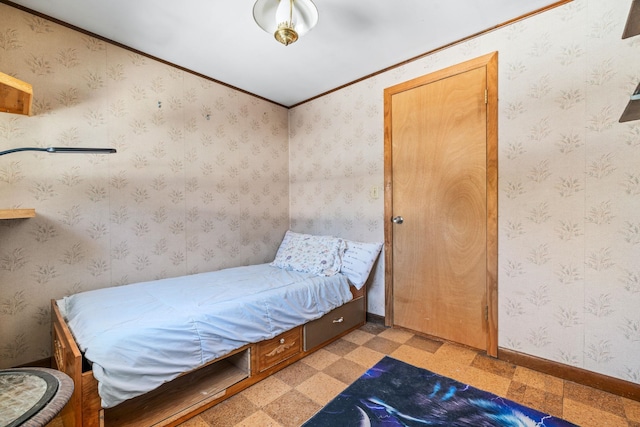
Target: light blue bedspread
[141, 335]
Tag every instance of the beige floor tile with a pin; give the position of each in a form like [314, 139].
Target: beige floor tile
[543, 401]
[373, 328]
[424, 343]
[632, 409]
[447, 367]
[457, 354]
[321, 388]
[365, 356]
[341, 347]
[517, 391]
[229, 412]
[345, 370]
[397, 335]
[588, 416]
[358, 337]
[266, 391]
[320, 359]
[485, 381]
[494, 366]
[295, 374]
[292, 409]
[260, 419]
[539, 380]
[382, 345]
[412, 355]
[595, 398]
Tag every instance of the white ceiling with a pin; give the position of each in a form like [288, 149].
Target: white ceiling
[219, 39]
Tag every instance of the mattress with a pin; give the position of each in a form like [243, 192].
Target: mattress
[141, 335]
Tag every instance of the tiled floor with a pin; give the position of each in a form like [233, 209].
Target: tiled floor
[291, 396]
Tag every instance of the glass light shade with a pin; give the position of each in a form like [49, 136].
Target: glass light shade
[61, 150]
[278, 18]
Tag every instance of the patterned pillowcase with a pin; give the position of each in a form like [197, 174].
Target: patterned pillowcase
[358, 261]
[321, 255]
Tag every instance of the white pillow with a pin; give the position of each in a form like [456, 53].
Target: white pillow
[321, 255]
[358, 261]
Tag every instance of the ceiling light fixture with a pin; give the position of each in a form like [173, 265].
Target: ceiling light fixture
[287, 20]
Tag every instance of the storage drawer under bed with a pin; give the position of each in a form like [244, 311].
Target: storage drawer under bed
[273, 351]
[334, 323]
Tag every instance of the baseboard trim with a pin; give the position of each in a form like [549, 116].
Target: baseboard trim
[567, 372]
[571, 373]
[42, 363]
[375, 318]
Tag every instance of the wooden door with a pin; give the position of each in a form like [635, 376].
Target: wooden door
[441, 243]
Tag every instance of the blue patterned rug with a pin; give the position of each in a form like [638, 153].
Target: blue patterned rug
[396, 394]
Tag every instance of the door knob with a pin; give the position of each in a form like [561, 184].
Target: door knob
[397, 220]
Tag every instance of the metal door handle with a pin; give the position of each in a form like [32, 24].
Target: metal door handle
[397, 220]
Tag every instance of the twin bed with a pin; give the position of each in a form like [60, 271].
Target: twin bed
[157, 353]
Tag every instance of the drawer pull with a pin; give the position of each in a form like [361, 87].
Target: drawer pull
[281, 340]
[339, 320]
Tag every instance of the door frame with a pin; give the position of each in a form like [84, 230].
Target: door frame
[490, 62]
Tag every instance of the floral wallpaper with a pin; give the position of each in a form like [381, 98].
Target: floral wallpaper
[569, 181]
[207, 177]
[200, 180]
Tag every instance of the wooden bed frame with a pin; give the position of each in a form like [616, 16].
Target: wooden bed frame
[194, 392]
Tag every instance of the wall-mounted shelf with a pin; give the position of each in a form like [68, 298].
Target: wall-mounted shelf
[16, 96]
[17, 213]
